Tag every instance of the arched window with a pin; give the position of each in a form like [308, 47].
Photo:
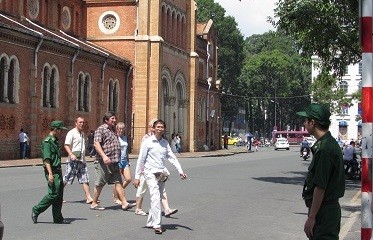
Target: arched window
[52, 89]
[2, 79]
[179, 105]
[46, 76]
[80, 95]
[50, 86]
[343, 85]
[9, 79]
[166, 95]
[84, 92]
[113, 95]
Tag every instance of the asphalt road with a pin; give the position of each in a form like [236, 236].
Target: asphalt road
[244, 196]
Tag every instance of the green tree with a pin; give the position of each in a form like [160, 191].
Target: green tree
[274, 73]
[230, 54]
[328, 29]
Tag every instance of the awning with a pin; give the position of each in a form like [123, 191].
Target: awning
[343, 123]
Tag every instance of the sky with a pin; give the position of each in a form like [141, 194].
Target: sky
[250, 15]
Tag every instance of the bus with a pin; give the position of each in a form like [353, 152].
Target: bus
[293, 137]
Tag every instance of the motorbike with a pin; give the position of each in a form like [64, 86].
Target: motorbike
[352, 172]
[305, 154]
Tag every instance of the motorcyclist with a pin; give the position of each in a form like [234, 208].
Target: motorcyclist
[349, 156]
[304, 145]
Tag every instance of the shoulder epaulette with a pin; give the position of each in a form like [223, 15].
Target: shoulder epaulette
[47, 139]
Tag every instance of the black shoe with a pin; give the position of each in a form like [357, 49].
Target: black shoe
[34, 217]
[64, 221]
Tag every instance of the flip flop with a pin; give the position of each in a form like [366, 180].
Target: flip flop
[172, 211]
[97, 207]
[140, 212]
[90, 202]
[117, 201]
[128, 206]
[158, 230]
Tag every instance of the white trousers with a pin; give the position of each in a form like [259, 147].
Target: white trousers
[156, 194]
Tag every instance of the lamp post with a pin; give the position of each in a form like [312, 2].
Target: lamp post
[275, 111]
[274, 102]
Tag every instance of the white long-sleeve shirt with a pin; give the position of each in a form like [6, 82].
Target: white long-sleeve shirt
[152, 156]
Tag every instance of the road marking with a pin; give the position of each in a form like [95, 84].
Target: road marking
[351, 219]
[354, 199]
[348, 224]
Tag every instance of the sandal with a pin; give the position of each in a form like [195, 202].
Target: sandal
[140, 212]
[170, 212]
[158, 230]
[97, 207]
[91, 201]
[117, 201]
[125, 208]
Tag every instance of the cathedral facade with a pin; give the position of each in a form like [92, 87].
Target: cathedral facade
[60, 59]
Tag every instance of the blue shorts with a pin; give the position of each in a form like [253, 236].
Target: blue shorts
[123, 164]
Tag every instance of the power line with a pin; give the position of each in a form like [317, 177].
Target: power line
[269, 97]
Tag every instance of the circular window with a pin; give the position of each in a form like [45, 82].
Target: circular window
[33, 8]
[66, 18]
[109, 22]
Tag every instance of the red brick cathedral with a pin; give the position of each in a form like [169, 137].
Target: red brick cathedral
[143, 59]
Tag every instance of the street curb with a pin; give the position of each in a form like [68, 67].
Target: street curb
[38, 162]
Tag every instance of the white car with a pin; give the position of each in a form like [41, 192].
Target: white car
[281, 143]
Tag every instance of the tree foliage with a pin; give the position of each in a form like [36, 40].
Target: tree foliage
[274, 73]
[230, 54]
[329, 30]
[326, 28]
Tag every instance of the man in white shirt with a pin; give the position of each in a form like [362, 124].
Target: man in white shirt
[142, 187]
[76, 165]
[151, 162]
[23, 138]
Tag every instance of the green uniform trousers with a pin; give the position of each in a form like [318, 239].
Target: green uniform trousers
[328, 223]
[54, 197]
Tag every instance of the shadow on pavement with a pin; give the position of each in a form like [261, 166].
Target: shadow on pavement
[285, 180]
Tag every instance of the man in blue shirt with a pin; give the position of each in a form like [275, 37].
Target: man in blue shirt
[304, 145]
[349, 156]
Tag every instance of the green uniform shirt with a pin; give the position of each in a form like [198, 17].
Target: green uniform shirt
[51, 150]
[326, 169]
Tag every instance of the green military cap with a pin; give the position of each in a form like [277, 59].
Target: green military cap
[319, 112]
[58, 124]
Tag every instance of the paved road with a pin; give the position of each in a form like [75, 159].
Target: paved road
[243, 196]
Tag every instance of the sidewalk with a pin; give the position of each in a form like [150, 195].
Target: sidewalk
[38, 161]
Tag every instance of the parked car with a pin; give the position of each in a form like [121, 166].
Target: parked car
[237, 141]
[281, 143]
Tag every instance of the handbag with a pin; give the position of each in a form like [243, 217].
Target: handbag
[78, 154]
[161, 176]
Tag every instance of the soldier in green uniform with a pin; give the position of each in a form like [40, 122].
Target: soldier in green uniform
[51, 156]
[325, 182]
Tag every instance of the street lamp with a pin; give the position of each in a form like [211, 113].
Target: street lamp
[274, 88]
[274, 101]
